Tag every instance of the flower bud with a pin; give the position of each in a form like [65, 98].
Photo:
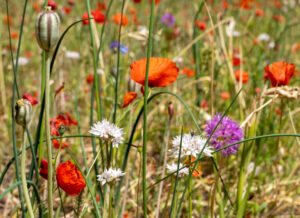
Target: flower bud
[23, 110]
[47, 29]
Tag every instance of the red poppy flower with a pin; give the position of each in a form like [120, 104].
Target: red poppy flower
[162, 72]
[156, 2]
[61, 120]
[44, 169]
[30, 98]
[244, 74]
[101, 6]
[259, 13]
[236, 61]
[225, 95]
[225, 4]
[279, 73]
[129, 98]
[56, 144]
[188, 72]
[71, 2]
[52, 4]
[85, 16]
[89, 79]
[98, 15]
[67, 10]
[117, 19]
[69, 178]
[200, 24]
[137, 1]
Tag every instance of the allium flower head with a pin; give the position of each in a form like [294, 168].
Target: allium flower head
[168, 19]
[191, 145]
[173, 167]
[110, 175]
[108, 132]
[227, 132]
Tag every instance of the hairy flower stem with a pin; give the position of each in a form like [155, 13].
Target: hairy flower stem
[149, 52]
[47, 129]
[23, 175]
[190, 188]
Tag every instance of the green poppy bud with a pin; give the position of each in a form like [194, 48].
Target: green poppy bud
[23, 111]
[47, 29]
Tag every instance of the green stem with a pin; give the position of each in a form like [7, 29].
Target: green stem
[47, 129]
[149, 52]
[190, 188]
[23, 176]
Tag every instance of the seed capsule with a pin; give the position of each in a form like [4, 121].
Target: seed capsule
[23, 111]
[47, 29]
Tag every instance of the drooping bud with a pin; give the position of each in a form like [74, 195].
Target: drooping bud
[170, 110]
[23, 112]
[47, 29]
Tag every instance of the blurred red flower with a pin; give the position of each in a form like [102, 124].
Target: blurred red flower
[30, 98]
[244, 74]
[129, 98]
[56, 144]
[52, 4]
[117, 19]
[69, 178]
[44, 169]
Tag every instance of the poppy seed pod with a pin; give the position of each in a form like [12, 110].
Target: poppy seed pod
[47, 29]
[23, 111]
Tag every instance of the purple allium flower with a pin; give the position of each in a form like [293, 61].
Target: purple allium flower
[227, 132]
[168, 19]
[123, 49]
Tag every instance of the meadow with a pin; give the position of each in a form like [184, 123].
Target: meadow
[140, 108]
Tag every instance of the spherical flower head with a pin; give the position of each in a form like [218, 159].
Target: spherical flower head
[168, 19]
[227, 132]
[108, 132]
[191, 145]
[69, 178]
[110, 175]
[173, 167]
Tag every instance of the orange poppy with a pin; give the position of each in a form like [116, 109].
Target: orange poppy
[279, 73]
[129, 98]
[188, 72]
[117, 19]
[162, 72]
[197, 172]
[225, 95]
[56, 144]
[69, 178]
[244, 74]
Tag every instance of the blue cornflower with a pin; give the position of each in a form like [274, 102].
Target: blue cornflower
[114, 46]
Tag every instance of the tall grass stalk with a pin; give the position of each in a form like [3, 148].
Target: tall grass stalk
[23, 175]
[149, 52]
[48, 141]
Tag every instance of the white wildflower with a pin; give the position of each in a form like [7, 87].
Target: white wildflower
[100, 71]
[108, 132]
[271, 45]
[230, 31]
[263, 37]
[22, 61]
[173, 167]
[72, 55]
[191, 145]
[178, 60]
[110, 175]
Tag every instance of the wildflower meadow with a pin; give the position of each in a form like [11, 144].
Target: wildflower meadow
[149, 108]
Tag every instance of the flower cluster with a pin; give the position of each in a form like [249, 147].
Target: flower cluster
[110, 175]
[227, 132]
[191, 145]
[108, 132]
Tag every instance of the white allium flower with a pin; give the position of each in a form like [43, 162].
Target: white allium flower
[271, 45]
[112, 174]
[22, 61]
[191, 145]
[108, 132]
[263, 37]
[173, 167]
[72, 55]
